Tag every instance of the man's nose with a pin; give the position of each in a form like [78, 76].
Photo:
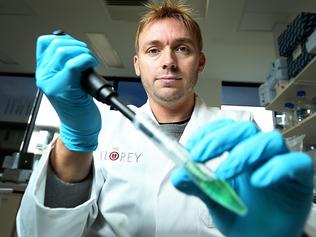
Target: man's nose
[169, 60]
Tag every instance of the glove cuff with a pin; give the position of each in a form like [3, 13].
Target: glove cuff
[80, 142]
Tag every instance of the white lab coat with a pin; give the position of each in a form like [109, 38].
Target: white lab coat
[131, 192]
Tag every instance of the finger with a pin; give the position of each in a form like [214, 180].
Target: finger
[62, 55]
[181, 180]
[47, 45]
[81, 62]
[293, 167]
[202, 131]
[66, 78]
[251, 153]
[223, 139]
[44, 41]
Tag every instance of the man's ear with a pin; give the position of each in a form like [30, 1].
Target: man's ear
[136, 65]
[202, 61]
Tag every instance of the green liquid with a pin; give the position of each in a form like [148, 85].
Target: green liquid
[216, 189]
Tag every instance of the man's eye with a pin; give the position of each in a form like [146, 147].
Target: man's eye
[152, 51]
[183, 49]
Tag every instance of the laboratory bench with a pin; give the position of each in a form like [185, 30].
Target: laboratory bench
[10, 199]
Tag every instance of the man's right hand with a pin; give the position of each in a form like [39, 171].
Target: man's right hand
[60, 61]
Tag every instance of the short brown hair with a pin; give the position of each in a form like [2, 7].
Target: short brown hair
[170, 9]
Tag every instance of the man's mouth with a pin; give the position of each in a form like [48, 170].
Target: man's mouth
[169, 78]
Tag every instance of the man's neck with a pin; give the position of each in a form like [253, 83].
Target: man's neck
[174, 113]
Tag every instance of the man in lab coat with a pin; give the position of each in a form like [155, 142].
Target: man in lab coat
[114, 182]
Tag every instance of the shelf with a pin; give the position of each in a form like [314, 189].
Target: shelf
[307, 127]
[305, 80]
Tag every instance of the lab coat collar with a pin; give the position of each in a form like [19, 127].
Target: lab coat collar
[195, 121]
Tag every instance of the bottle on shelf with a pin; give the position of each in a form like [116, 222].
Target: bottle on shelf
[289, 116]
[278, 121]
[303, 108]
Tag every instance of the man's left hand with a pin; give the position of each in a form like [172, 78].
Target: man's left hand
[276, 185]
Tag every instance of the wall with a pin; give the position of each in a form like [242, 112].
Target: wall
[210, 90]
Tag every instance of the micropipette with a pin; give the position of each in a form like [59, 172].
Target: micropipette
[216, 189]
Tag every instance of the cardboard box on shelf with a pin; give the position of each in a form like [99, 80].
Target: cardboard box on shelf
[280, 85]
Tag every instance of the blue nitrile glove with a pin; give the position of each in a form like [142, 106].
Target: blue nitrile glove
[60, 61]
[276, 185]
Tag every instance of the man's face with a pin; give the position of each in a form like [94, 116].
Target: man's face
[168, 61]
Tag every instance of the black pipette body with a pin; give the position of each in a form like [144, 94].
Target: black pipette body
[102, 90]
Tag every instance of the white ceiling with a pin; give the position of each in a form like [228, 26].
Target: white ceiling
[239, 35]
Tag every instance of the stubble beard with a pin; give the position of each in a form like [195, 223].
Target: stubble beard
[170, 97]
